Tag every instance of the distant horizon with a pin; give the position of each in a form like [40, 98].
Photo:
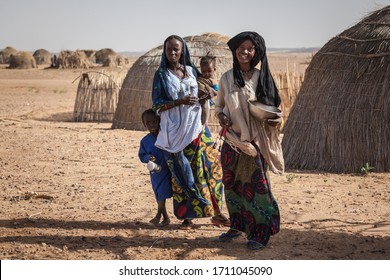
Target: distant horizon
[140, 53]
[129, 26]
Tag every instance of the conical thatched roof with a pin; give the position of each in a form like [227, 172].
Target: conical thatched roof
[340, 120]
[22, 60]
[5, 54]
[136, 93]
[42, 56]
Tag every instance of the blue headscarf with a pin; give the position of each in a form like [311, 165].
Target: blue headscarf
[159, 90]
[266, 91]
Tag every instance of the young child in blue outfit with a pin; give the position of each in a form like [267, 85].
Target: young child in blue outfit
[161, 177]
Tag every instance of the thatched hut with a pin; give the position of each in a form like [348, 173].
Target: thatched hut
[75, 59]
[97, 96]
[135, 95]
[42, 56]
[5, 54]
[107, 57]
[340, 120]
[22, 60]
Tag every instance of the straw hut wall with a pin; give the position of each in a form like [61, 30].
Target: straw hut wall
[5, 54]
[77, 59]
[340, 119]
[22, 60]
[136, 93]
[97, 96]
[42, 56]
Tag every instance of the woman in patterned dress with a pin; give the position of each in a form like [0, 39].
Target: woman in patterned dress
[188, 145]
[253, 146]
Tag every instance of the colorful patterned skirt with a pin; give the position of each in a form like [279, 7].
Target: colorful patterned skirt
[251, 205]
[207, 173]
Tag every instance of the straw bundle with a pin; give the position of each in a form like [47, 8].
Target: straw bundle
[76, 59]
[288, 84]
[97, 96]
[136, 93]
[340, 120]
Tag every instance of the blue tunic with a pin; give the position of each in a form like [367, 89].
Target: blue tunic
[161, 181]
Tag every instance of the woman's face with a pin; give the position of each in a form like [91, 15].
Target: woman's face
[173, 50]
[245, 52]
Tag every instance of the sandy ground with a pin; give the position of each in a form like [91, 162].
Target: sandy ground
[78, 191]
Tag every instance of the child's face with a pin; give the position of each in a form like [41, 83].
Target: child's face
[152, 123]
[208, 70]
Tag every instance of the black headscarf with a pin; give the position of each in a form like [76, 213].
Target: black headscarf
[266, 91]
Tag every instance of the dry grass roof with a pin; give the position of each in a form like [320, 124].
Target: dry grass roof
[340, 120]
[42, 56]
[5, 54]
[22, 60]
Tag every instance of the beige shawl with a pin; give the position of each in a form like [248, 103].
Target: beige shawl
[233, 102]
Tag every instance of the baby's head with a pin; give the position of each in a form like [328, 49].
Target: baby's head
[151, 121]
[208, 66]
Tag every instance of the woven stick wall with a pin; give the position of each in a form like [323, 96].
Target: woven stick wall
[341, 118]
[97, 96]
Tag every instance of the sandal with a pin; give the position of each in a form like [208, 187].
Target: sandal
[220, 220]
[229, 236]
[166, 222]
[187, 224]
[253, 245]
[155, 221]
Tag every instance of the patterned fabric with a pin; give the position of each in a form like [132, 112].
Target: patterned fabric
[251, 205]
[161, 181]
[208, 177]
[180, 125]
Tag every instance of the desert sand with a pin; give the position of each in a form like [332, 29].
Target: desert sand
[78, 191]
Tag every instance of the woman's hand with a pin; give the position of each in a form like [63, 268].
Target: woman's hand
[187, 100]
[224, 121]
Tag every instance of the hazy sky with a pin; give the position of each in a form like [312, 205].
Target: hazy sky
[132, 25]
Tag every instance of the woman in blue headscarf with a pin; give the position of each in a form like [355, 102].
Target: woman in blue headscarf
[188, 145]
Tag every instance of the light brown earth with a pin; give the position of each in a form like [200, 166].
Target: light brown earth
[78, 191]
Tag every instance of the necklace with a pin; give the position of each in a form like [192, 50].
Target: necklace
[247, 72]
